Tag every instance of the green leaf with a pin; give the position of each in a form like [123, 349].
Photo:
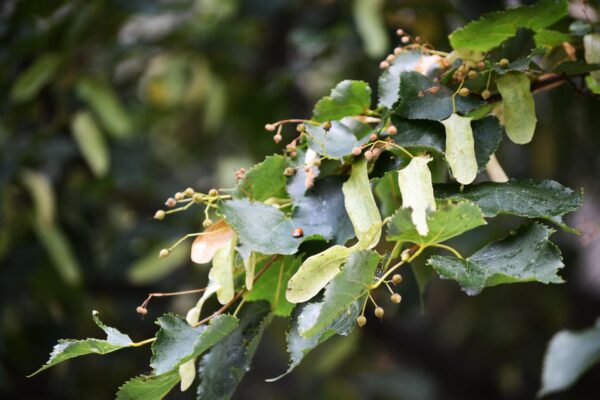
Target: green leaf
[368, 15]
[105, 103]
[460, 148]
[416, 102]
[340, 139]
[494, 28]
[518, 106]
[348, 98]
[224, 366]
[69, 348]
[488, 135]
[148, 387]
[261, 228]
[345, 289]
[265, 180]
[416, 189]
[35, 77]
[272, 285]
[299, 346]
[91, 143]
[315, 273]
[323, 206]
[389, 81]
[568, 356]
[447, 221]
[526, 198]
[524, 256]
[388, 193]
[360, 203]
[178, 342]
[550, 38]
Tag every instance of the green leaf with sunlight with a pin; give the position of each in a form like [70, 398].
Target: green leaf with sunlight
[33, 79]
[265, 180]
[340, 139]
[91, 143]
[524, 256]
[348, 98]
[494, 28]
[69, 348]
[450, 219]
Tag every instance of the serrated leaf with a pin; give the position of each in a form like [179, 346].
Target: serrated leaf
[323, 206]
[591, 44]
[91, 143]
[416, 189]
[210, 241]
[340, 139]
[447, 221]
[430, 136]
[263, 181]
[525, 256]
[272, 285]
[223, 367]
[360, 203]
[299, 346]
[315, 273]
[348, 98]
[70, 348]
[221, 272]
[345, 289]
[389, 81]
[106, 104]
[148, 387]
[261, 228]
[526, 198]
[568, 356]
[518, 106]
[460, 148]
[35, 77]
[494, 28]
[178, 342]
[417, 102]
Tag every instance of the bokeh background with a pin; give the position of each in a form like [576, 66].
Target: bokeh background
[176, 93]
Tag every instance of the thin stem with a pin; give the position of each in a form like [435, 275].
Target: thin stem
[416, 252]
[450, 249]
[183, 208]
[393, 255]
[279, 279]
[189, 235]
[143, 342]
[239, 307]
[183, 292]
[454, 96]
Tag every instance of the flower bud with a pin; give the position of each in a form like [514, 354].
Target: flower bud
[171, 202]
[396, 298]
[379, 312]
[485, 94]
[160, 214]
[270, 127]
[213, 192]
[164, 253]
[361, 321]
[392, 130]
[384, 65]
[141, 310]
[396, 279]
[207, 223]
[356, 151]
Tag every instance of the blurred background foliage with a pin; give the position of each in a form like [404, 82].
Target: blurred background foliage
[109, 107]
